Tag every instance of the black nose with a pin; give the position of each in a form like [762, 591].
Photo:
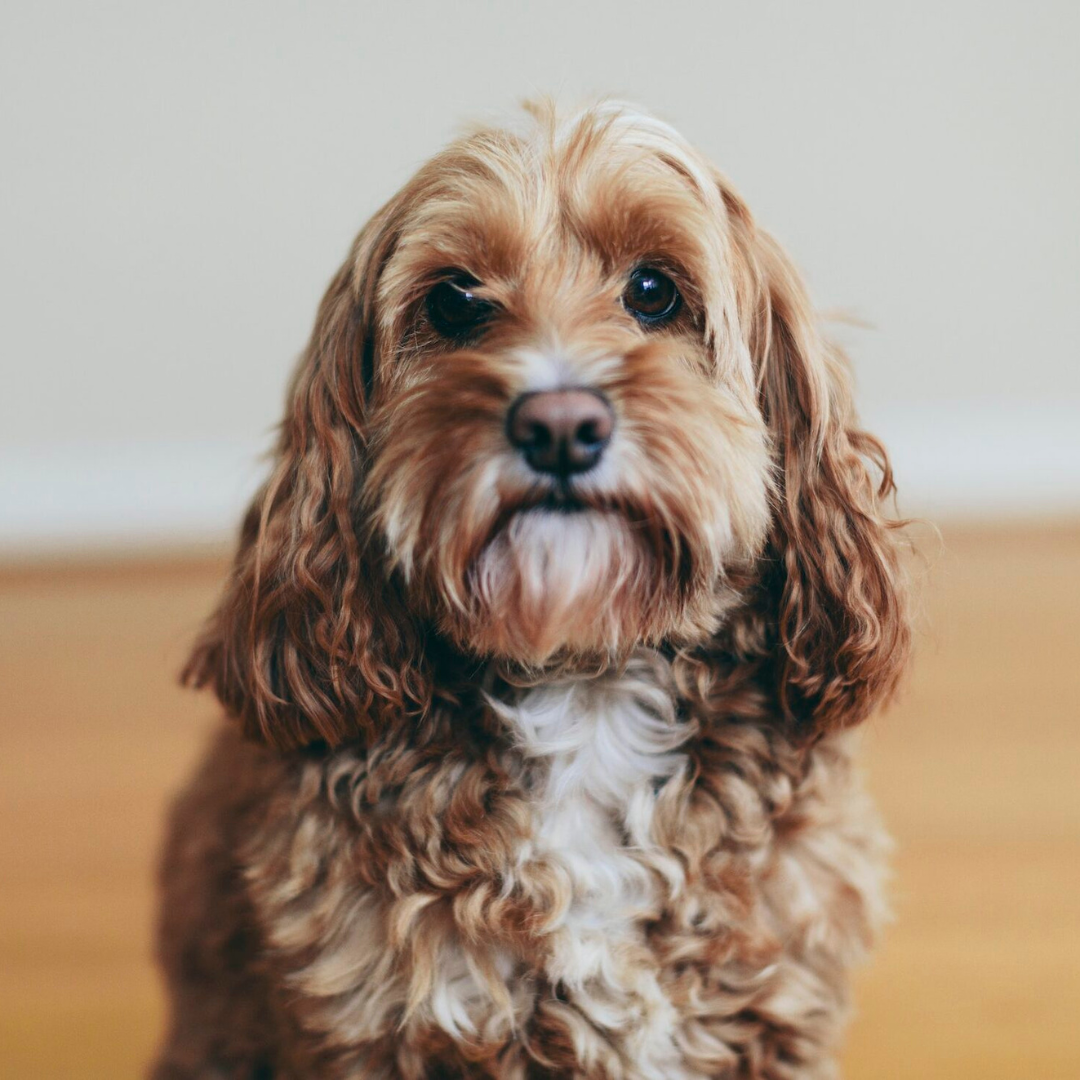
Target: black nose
[561, 432]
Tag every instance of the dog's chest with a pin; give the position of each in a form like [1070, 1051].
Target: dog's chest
[597, 753]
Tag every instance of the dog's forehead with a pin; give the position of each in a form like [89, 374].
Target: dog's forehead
[613, 187]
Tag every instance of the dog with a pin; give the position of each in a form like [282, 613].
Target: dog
[540, 650]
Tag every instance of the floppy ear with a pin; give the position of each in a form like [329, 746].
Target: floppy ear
[312, 640]
[830, 605]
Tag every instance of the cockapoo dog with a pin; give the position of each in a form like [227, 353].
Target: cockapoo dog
[540, 646]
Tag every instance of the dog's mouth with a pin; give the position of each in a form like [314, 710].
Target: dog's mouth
[558, 502]
[572, 566]
[561, 498]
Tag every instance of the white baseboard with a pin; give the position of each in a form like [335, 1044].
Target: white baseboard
[948, 463]
[146, 495]
[983, 461]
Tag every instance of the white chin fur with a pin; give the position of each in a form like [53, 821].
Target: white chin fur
[553, 580]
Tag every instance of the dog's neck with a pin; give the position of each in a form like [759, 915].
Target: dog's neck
[618, 724]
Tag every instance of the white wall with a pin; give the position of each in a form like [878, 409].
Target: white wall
[180, 181]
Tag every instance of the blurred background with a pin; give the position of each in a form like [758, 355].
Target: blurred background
[179, 184]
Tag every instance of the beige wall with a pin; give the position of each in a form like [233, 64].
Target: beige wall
[181, 180]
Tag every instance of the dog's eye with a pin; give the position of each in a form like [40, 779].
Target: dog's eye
[651, 296]
[454, 308]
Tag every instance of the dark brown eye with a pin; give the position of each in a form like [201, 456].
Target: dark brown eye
[650, 296]
[453, 307]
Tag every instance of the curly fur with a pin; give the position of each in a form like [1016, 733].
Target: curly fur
[517, 793]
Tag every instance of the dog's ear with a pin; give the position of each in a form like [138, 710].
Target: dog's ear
[311, 641]
[830, 605]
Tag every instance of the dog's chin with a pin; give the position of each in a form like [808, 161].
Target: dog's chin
[560, 581]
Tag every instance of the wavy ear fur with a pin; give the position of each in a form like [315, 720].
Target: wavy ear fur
[311, 641]
[827, 618]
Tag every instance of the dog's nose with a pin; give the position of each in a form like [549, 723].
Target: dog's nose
[561, 431]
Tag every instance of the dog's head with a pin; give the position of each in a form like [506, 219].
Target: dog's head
[563, 399]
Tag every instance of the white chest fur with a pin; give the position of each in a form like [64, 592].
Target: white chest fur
[595, 751]
[602, 748]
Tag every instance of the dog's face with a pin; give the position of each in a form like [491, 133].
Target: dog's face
[564, 398]
[567, 453]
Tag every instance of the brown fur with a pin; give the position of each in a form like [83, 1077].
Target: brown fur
[375, 830]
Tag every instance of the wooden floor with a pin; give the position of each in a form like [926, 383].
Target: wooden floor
[977, 771]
